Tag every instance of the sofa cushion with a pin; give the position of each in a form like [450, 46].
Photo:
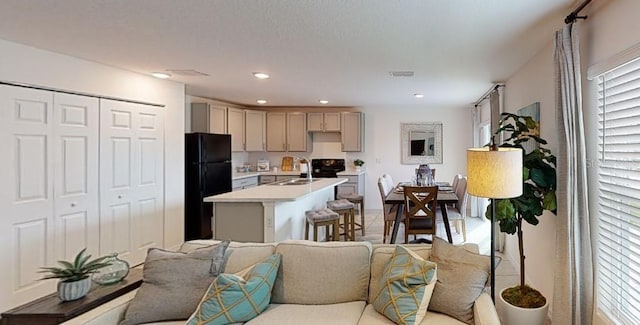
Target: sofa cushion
[231, 298]
[347, 313]
[371, 317]
[380, 258]
[406, 287]
[239, 256]
[314, 273]
[173, 283]
[462, 276]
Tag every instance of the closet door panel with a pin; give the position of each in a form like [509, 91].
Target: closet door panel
[26, 195]
[131, 174]
[76, 124]
[149, 227]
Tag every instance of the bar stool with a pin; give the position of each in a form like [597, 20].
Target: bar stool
[356, 199]
[346, 209]
[319, 218]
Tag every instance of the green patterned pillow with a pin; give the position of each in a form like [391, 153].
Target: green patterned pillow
[231, 298]
[406, 287]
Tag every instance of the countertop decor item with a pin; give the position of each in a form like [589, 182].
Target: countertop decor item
[115, 271]
[262, 165]
[287, 163]
[75, 280]
[358, 162]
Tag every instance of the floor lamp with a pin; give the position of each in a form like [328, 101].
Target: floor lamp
[494, 173]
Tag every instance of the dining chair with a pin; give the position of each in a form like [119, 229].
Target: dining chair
[388, 181]
[458, 212]
[454, 183]
[388, 210]
[420, 204]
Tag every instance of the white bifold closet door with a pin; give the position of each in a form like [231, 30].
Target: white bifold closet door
[49, 192]
[131, 179]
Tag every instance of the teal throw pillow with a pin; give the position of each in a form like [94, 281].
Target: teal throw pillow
[231, 298]
[406, 287]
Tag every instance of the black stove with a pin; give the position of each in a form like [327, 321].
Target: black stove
[325, 168]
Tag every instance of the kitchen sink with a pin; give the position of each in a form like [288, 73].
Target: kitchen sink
[295, 181]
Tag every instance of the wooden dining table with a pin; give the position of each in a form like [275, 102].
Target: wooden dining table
[444, 198]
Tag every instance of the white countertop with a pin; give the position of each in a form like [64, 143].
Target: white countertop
[352, 172]
[236, 175]
[275, 193]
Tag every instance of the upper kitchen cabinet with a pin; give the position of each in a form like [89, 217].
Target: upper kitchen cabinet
[352, 131]
[255, 130]
[297, 132]
[323, 122]
[235, 127]
[286, 131]
[208, 118]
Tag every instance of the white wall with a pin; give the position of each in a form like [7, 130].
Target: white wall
[29, 65]
[609, 30]
[534, 83]
[383, 150]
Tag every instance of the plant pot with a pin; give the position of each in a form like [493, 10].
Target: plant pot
[510, 314]
[68, 291]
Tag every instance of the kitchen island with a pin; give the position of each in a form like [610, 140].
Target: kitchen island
[270, 212]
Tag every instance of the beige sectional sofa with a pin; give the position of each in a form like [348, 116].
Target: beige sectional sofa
[317, 283]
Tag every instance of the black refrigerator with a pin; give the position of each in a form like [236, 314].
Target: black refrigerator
[207, 172]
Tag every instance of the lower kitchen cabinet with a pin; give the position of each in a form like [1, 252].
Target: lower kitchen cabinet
[355, 184]
[242, 183]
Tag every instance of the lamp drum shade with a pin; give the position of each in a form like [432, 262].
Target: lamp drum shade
[495, 174]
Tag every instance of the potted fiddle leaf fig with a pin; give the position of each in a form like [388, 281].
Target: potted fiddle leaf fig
[75, 277]
[538, 195]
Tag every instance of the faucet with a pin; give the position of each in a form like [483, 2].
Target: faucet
[308, 162]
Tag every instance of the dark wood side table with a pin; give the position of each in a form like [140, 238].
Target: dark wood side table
[51, 310]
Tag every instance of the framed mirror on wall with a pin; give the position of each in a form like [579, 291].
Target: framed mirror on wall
[421, 143]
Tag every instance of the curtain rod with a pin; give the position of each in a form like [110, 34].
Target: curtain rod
[574, 14]
[486, 94]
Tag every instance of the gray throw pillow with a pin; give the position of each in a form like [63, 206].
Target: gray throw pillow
[462, 276]
[173, 283]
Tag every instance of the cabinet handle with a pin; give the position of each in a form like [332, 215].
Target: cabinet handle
[73, 204]
[120, 196]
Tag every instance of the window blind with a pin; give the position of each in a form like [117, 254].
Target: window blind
[618, 277]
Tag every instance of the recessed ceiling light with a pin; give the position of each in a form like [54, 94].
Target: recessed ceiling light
[261, 75]
[161, 75]
[418, 95]
[261, 101]
[324, 102]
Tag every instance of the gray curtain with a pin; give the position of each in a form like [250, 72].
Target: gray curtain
[573, 282]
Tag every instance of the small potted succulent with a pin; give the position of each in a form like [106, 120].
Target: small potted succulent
[358, 163]
[75, 278]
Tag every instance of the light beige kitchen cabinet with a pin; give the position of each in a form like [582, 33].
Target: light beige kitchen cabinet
[235, 127]
[355, 184]
[208, 118]
[243, 183]
[286, 131]
[255, 130]
[297, 132]
[352, 133]
[323, 122]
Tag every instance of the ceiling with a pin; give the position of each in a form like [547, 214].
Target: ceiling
[341, 51]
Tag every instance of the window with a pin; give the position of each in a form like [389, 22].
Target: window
[618, 277]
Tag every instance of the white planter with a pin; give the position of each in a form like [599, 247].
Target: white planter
[510, 314]
[68, 291]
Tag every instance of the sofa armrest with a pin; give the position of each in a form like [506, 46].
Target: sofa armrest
[111, 312]
[484, 311]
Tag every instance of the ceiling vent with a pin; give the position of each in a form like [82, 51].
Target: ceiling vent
[401, 73]
[187, 73]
